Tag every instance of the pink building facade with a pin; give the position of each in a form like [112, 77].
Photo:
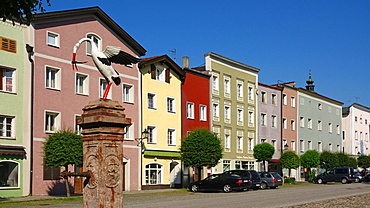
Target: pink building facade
[60, 92]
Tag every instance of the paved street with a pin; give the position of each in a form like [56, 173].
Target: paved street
[281, 197]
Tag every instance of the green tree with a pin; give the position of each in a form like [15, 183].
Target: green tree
[310, 159]
[289, 160]
[61, 149]
[363, 161]
[344, 160]
[201, 148]
[21, 10]
[263, 152]
[328, 160]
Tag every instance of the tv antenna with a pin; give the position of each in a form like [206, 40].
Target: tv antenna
[173, 54]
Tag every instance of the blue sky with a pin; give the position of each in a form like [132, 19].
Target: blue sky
[285, 39]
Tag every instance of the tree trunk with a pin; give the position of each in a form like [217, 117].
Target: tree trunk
[290, 172]
[66, 183]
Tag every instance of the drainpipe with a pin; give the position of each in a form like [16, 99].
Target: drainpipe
[30, 53]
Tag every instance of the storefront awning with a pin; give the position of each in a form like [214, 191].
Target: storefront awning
[161, 154]
[274, 160]
[12, 150]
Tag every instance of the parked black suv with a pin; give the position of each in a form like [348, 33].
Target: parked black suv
[251, 175]
[344, 175]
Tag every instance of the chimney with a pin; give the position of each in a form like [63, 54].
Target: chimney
[185, 62]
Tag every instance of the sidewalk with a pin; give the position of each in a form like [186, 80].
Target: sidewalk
[47, 197]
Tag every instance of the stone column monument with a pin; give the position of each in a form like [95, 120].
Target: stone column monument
[103, 123]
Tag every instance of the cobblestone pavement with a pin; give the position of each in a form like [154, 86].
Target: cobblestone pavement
[360, 201]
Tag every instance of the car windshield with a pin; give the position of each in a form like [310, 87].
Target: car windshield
[211, 177]
[276, 175]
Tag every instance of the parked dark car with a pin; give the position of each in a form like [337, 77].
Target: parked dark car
[366, 178]
[358, 177]
[251, 175]
[221, 182]
[270, 180]
[344, 175]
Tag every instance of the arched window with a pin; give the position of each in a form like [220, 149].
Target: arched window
[9, 174]
[96, 40]
[153, 173]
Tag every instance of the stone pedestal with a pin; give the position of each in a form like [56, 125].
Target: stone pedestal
[103, 123]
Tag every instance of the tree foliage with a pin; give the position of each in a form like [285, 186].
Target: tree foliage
[201, 148]
[310, 159]
[363, 161]
[63, 148]
[328, 160]
[344, 160]
[263, 152]
[21, 10]
[289, 160]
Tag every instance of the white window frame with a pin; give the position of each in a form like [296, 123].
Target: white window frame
[250, 116]
[128, 93]
[171, 105]
[301, 145]
[151, 101]
[227, 143]
[292, 100]
[250, 144]
[17, 175]
[263, 119]
[6, 79]
[227, 112]
[273, 121]
[129, 132]
[273, 99]
[309, 143]
[309, 123]
[292, 143]
[50, 74]
[292, 124]
[202, 112]
[51, 121]
[240, 115]
[152, 136]
[301, 122]
[96, 39]
[330, 128]
[319, 125]
[250, 93]
[52, 36]
[239, 89]
[285, 102]
[215, 82]
[189, 110]
[171, 137]
[82, 84]
[285, 126]
[102, 86]
[7, 121]
[338, 129]
[216, 110]
[226, 164]
[239, 144]
[263, 97]
[227, 85]
[158, 174]
[78, 128]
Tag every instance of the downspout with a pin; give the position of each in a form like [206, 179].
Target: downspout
[30, 53]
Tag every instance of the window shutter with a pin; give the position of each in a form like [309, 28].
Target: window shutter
[168, 73]
[8, 45]
[152, 71]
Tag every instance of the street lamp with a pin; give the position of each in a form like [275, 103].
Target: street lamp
[144, 135]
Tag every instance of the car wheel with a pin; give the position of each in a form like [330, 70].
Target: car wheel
[357, 180]
[344, 180]
[194, 188]
[319, 181]
[227, 188]
[263, 186]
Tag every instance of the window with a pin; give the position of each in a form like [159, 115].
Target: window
[52, 78]
[292, 101]
[78, 128]
[128, 93]
[226, 165]
[263, 97]
[160, 75]
[330, 147]
[82, 84]
[292, 124]
[227, 112]
[152, 134]
[9, 174]
[215, 82]
[356, 135]
[216, 110]
[274, 144]
[238, 165]
[319, 125]
[284, 99]
[239, 90]
[250, 93]
[292, 143]
[227, 142]
[301, 122]
[190, 110]
[51, 173]
[330, 128]
[263, 140]
[51, 122]
[7, 80]
[319, 146]
[285, 126]
[203, 112]
[273, 121]
[239, 143]
[171, 137]
[129, 132]
[53, 39]
[95, 39]
[309, 145]
[319, 106]
[301, 145]
[273, 99]
[6, 127]
[251, 117]
[309, 123]
[227, 85]
[153, 174]
[250, 144]
[247, 165]
[240, 115]
[103, 86]
[365, 121]
[171, 105]
[8, 45]
[263, 119]
[356, 118]
[151, 101]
